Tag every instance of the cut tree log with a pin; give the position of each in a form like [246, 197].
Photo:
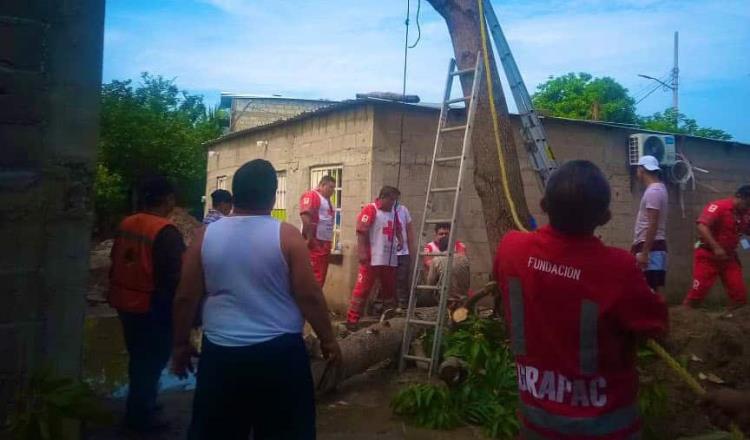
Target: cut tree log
[462, 18]
[461, 313]
[363, 349]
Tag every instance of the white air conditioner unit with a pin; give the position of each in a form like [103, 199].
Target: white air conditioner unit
[661, 146]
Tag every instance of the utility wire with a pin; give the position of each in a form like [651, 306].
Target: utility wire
[658, 86]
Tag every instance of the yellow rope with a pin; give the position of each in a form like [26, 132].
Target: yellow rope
[688, 379]
[488, 75]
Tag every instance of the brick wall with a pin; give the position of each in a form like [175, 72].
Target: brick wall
[253, 112]
[50, 76]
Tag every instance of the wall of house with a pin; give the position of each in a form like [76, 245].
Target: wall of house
[419, 129]
[342, 138]
[50, 79]
[345, 137]
[253, 112]
[605, 145]
[727, 164]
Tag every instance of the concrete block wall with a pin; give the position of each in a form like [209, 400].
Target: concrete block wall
[604, 145]
[254, 112]
[374, 161]
[50, 77]
[342, 138]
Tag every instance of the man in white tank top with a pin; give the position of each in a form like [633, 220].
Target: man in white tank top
[254, 372]
[318, 215]
[378, 241]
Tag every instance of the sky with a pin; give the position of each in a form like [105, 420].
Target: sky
[334, 49]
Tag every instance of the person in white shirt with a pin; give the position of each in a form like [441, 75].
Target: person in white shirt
[650, 234]
[254, 371]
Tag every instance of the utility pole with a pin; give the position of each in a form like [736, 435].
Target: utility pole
[675, 78]
[673, 84]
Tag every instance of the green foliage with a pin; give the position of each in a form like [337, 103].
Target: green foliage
[110, 192]
[486, 398]
[428, 405]
[46, 401]
[147, 129]
[672, 122]
[581, 96]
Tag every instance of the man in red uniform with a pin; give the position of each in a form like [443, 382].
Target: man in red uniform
[575, 309]
[441, 230]
[378, 241]
[719, 227]
[146, 262]
[318, 216]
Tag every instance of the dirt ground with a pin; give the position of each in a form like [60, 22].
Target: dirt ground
[704, 341]
[709, 345]
[712, 347]
[359, 409]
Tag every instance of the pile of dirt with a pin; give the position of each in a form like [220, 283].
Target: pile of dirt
[714, 349]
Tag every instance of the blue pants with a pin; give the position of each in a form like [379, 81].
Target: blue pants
[265, 389]
[149, 343]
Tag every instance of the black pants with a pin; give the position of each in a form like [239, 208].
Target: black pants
[402, 280]
[265, 389]
[149, 343]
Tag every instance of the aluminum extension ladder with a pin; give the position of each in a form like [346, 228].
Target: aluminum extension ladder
[438, 159]
[540, 153]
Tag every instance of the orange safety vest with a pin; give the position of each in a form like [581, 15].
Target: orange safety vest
[131, 282]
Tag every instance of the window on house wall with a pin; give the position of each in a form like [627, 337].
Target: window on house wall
[279, 208]
[336, 172]
[221, 182]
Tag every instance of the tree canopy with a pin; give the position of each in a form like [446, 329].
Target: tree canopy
[151, 128]
[581, 96]
[681, 124]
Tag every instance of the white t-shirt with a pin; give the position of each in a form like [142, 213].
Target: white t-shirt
[404, 218]
[655, 197]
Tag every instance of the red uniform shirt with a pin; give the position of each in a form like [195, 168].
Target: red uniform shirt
[322, 215]
[725, 223]
[574, 307]
[432, 248]
[382, 228]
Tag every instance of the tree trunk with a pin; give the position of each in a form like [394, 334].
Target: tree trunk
[462, 18]
[360, 351]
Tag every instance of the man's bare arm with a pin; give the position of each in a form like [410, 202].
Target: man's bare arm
[308, 228]
[653, 224]
[707, 237]
[187, 299]
[307, 293]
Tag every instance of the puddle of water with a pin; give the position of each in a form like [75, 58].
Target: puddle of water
[105, 360]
